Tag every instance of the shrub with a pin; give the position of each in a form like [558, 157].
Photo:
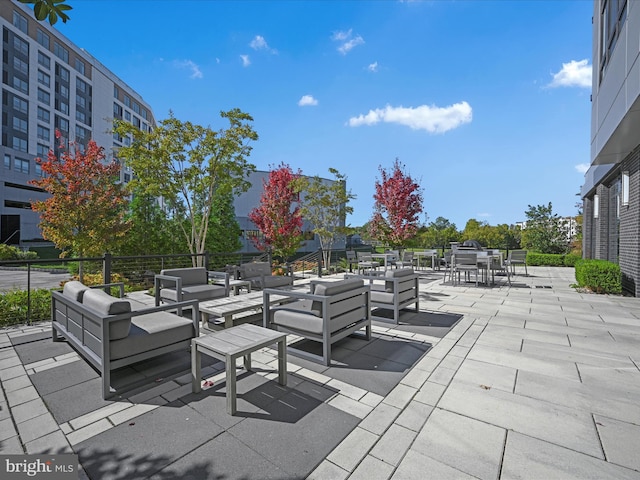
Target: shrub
[9, 252]
[570, 259]
[548, 259]
[600, 276]
[14, 306]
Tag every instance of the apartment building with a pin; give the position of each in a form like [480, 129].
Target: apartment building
[49, 84]
[611, 192]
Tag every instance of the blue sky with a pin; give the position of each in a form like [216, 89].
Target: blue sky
[486, 103]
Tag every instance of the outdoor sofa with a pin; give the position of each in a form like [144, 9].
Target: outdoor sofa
[395, 290]
[260, 276]
[113, 332]
[333, 311]
[190, 283]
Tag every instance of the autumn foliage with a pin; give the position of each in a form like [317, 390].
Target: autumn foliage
[398, 204]
[279, 221]
[85, 213]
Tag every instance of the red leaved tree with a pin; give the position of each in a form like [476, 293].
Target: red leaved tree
[278, 217]
[85, 213]
[398, 204]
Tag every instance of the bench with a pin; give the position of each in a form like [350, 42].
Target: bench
[333, 311]
[113, 332]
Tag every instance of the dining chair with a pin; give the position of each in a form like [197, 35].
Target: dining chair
[464, 262]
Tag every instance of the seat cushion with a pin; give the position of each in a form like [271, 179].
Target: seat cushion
[151, 331]
[194, 292]
[275, 281]
[106, 305]
[305, 321]
[74, 290]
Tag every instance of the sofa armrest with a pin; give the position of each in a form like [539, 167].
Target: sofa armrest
[220, 278]
[192, 304]
[167, 278]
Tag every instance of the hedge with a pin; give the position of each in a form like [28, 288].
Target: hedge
[600, 276]
[548, 259]
[13, 306]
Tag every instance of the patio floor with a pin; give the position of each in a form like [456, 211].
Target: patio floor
[530, 381]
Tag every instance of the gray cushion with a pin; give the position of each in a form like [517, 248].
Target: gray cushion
[189, 276]
[106, 305]
[75, 290]
[333, 288]
[151, 331]
[194, 292]
[255, 269]
[400, 272]
[298, 320]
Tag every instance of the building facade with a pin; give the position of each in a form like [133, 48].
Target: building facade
[611, 192]
[50, 84]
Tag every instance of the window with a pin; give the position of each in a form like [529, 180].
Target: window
[20, 22]
[63, 72]
[43, 38]
[612, 17]
[44, 97]
[44, 115]
[63, 124]
[82, 134]
[82, 86]
[20, 105]
[127, 177]
[64, 91]
[81, 117]
[20, 65]
[44, 60]
[136, 107]
[44, 79]
[20, 84]
[144, 114]
[127, 101]
[21, 165]
[20, 45]
[127, 115]
[81, 102]
[44, 133]
[7, 161]
[60, 52]
[19, 144]
[136, 122]
[596, 206]
[116, 91]
[80, 66]
[625, 188]
[117, 110]
[20, 124]
[42, 151]
[38, 169]
[62, 106]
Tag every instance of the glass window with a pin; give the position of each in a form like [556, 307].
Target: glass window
[136, 122]
[20, 45]
[7, 161]
[136, 107]
[116, 91]
[43, 38]
[20, 105]
[64, 91]
[144, 114]
[20, 124]
[81, 117]
[44, 60]
[44, 133]
[19, 144]
[42, 151]
[21, 165]
[127, 101]
[81, 102]
[38, 169]
[20, 84]
[20, 65]
[81, 85]
[20, 22]
[63, 124]
[127, 115]
[80, 66]
[44, 78]
[63, 72]
[63, 107]
[44, 97]
[60, 51]
[117, 110]
[44, 115]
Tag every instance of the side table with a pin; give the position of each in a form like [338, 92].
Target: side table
[229, 344]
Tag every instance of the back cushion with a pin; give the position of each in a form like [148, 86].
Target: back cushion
[74, 290]
[105, 305]
[400, 272]
[333, 288]
[190, 276]
[255, 269]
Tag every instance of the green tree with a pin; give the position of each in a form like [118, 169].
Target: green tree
[85, 213]
[188, 165]
[543, 232]
[439, 234]
[325, 206]
[51, 9]
[225, 230]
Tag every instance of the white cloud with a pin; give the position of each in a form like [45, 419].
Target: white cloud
[373, 67]
[573, 74]
[307, 101]
[430, 118]
[347, 41]
[259, 43]
[195, 69]
[245, 60]
[582, 167]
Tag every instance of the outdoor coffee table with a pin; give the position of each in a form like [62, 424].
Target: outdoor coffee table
[227, 345]
[239, 305]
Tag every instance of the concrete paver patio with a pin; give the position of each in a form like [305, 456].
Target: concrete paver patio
[533, 381]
